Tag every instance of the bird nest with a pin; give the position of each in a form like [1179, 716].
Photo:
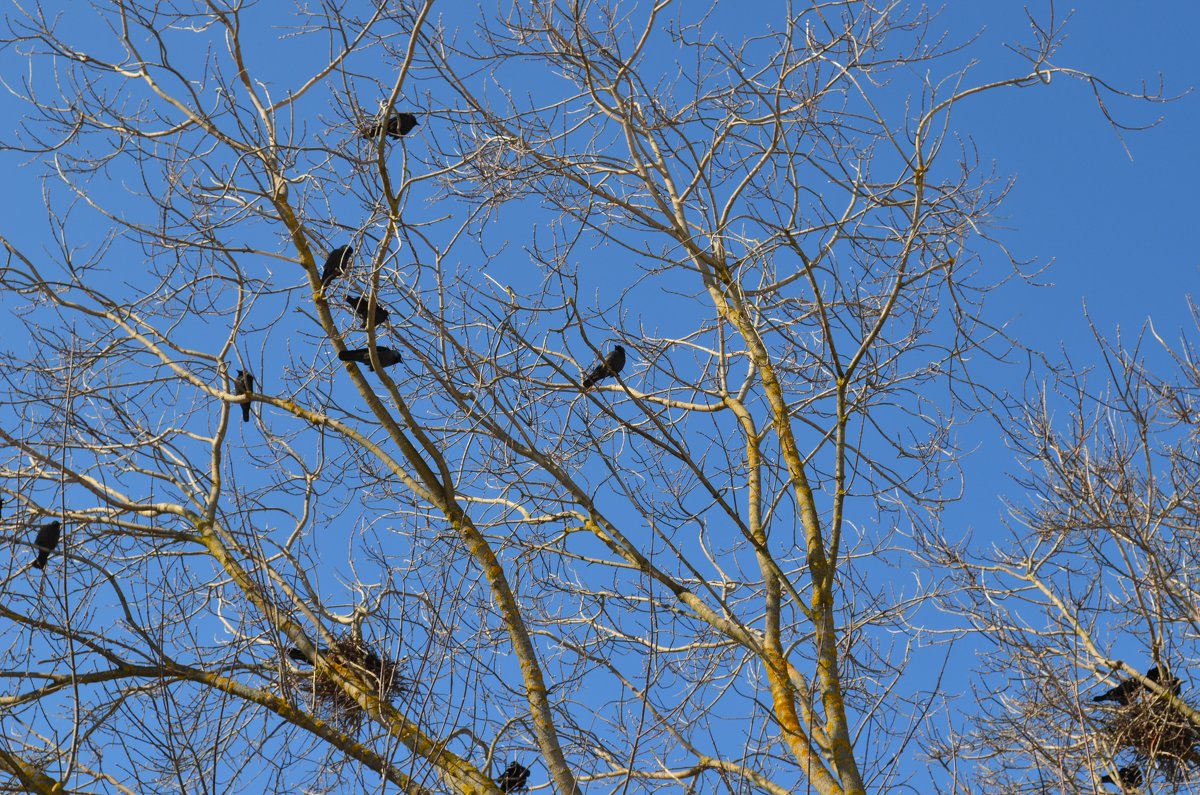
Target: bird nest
[327, 696]
[1156, 731]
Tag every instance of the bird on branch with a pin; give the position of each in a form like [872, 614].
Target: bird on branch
[336, 264]
[608, 367]
[243, 384]
[46, 540]
[387, 356]
[1129, 777]
[396, 126]
[296, 655]
[514, 778]
[1126, 690]
[361, 307]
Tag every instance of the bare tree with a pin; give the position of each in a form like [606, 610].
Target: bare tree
[1092, 606]
[405, 579]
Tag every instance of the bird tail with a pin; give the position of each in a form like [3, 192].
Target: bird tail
[42, 559]
[245, 412]
[358, 355]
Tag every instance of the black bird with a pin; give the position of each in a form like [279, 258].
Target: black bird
[1130, 777]
[360, 305]
[1172, 683]
[611, 365]
[1125, 691]
[47, 539]
[299, 656]
[387, 356]
[513, 778]
[1121, 694]
[396, 126]
[241, 385]
[336, 264]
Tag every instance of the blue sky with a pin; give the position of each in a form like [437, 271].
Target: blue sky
[1118, 228]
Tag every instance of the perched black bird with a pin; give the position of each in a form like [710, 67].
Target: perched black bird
[1121, 694]
[513, 778]
[1130, 777]
[241, 385]
[360, 304]
[1172, 683]
[299, 656]
[47, 539]
[387, 356]
[396, 126]
[611, 365]
[336, 264]
[1125, 691]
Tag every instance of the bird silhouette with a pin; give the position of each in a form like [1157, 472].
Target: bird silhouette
[241, 385]
[298, 656]
[1126, 690]
[336, 264]
[47, 539]
[513, 778]
[609, 366]
[1171, 683]
[396, 126]
[387, 356]
[361, 306]
[1129, 777]
[1121, 694]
